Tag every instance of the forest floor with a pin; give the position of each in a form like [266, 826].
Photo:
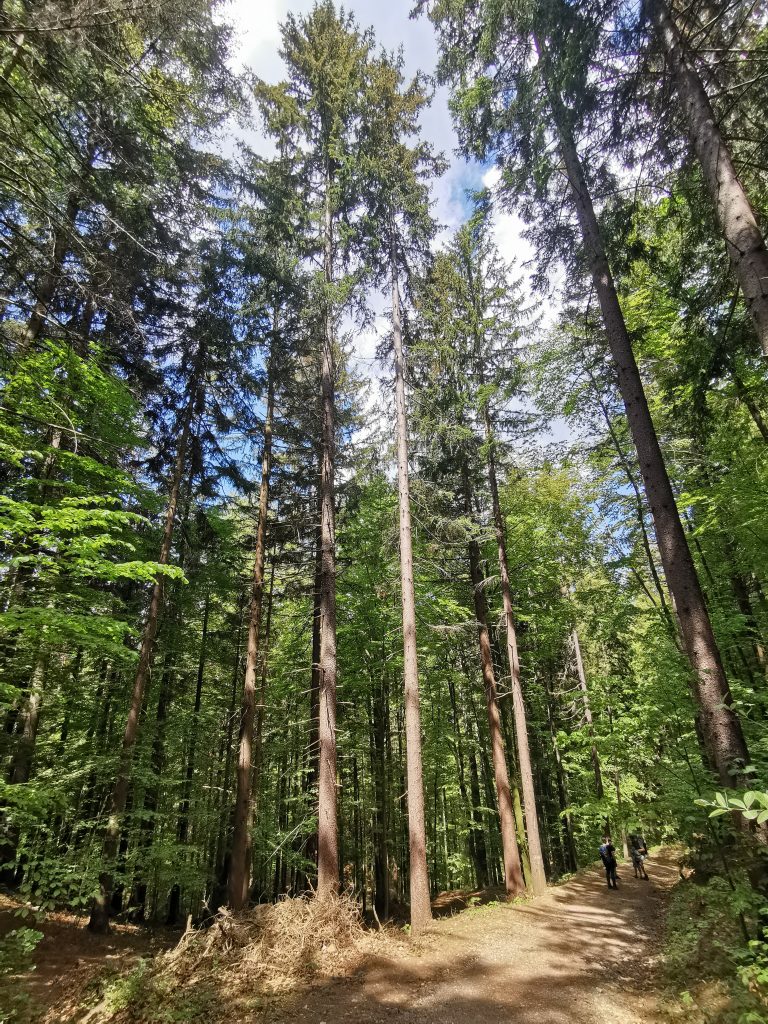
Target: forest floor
[580, 954]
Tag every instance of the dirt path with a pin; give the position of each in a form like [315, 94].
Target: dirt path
[579, 955]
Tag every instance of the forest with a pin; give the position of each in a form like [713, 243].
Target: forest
[281, 621]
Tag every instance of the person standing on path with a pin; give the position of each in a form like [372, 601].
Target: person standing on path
[638, 848]
[608, 857]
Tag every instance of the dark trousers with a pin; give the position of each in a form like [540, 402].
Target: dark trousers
[610, 873]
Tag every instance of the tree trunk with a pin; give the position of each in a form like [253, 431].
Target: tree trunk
[735, 217]
[474, 835]
[223, 846]
[725, 743]
[421, 908]
[538, 878]
[313, 759]
[182, 830]
[378, 734]
[137, 903]
[744, 396]
[570, 861]
[47, 286]
[513, 875]
[240, 869]
[29, 720]
[258, 749]
[599, 789]
[99, 918]
[327, 829]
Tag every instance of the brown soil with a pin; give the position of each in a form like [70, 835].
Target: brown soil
[581, 954]
[69, 958]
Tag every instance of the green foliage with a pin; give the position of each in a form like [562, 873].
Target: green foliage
[752, 805]
[145, 995]
[705, 941]
[16, 949]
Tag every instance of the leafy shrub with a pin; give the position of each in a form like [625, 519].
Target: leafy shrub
[16, 949]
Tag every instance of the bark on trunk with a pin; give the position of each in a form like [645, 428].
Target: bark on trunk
[421, 908]
[29, 720]
[240, 868]
[99, 918]
[736, 219]
[538, 878]
[327, 828]
[724, 738]
[513, 875]
[747, 400]
[378, 734]
[313, 751]
[223, 844]
[182, 831]
[599, 789]
[47, 286]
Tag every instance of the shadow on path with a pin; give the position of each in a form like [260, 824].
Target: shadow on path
[580, 954]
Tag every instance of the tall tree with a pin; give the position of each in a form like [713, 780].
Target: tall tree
[736, 219]
[327, 56]
[547, 78]
[398, 195]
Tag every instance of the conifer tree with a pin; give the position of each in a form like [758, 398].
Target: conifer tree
[398, 167]
[553, 80]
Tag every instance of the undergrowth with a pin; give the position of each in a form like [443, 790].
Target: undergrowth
[16, 949]
[717, 974]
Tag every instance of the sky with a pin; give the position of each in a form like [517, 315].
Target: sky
[256, 44]
[257, 41]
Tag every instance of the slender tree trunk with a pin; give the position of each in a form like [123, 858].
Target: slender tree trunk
[29, 719]
[421, 909]
[640, 511]
[582, 676]
[138, 900]
[538, 878]
[223, 846]
[47, 285]
[474, 835]
[327, 828]
[742, 392]
[568, 845]
[735, 217]
[725, 743]
[513, 875]
[477, 832]
[258, 751]
[240, 868]
[313, 758]
[380, 808]
[99, 918]
[619, 801]
[182, 830]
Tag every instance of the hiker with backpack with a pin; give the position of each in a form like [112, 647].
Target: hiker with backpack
[608, 857]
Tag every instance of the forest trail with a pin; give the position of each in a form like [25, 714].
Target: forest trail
[580, 954]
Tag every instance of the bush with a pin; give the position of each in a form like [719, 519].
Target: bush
[16, 949]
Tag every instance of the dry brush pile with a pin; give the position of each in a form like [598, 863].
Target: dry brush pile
[243, 961]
